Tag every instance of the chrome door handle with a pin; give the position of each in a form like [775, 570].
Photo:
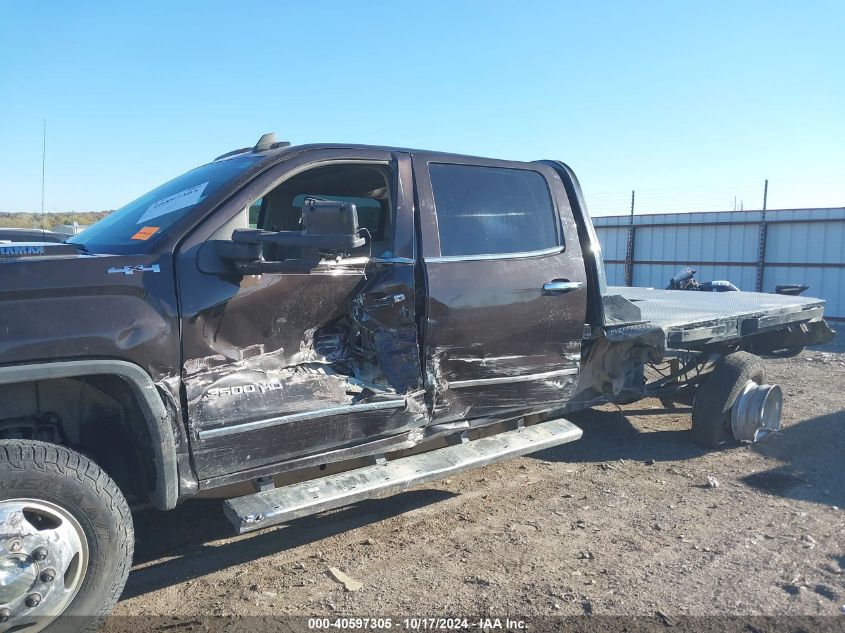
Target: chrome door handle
[559, 287]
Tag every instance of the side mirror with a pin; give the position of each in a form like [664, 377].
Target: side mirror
[328, 225]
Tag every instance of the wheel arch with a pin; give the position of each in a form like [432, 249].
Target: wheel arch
[165, 491]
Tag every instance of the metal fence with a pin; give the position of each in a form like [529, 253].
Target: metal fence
[752, 249]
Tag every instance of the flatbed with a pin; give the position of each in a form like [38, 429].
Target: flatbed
[692, 319]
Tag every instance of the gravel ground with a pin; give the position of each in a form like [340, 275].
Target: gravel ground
[624, 521]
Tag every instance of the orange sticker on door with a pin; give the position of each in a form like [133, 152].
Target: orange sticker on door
[145, 233]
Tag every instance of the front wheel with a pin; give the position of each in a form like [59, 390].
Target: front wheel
[67, 539]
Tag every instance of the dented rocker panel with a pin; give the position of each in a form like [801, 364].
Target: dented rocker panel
[301, 417]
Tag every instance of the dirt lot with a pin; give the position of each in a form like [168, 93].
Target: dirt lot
[622, 522]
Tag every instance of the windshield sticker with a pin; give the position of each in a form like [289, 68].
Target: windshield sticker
[186, 198]
[145, 233]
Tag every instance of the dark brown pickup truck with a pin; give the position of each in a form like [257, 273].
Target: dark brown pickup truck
[327, 323]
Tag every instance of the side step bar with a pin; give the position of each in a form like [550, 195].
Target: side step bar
[278, 505]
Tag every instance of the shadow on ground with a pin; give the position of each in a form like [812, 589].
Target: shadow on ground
[811, 453]
[188, 534]
[609, 435]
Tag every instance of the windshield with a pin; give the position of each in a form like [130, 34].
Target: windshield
[149, 217]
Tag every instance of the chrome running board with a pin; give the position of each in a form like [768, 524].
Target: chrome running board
[278, 505]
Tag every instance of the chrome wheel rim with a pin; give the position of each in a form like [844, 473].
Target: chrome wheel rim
[756, 412]
[43, 561]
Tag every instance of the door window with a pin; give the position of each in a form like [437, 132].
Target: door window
[367, 186]
[492, 210]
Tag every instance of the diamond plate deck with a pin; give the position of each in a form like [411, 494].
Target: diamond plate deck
[694, 317]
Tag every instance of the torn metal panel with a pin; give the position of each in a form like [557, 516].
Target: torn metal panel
[370, 447]
[499, 387]
[276, 379]
[297, 437]
[618, 311]
[612, 359]
[169, 389]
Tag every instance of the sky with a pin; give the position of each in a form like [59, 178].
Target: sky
[691, 104]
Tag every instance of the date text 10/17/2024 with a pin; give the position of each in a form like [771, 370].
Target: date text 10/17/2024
[418, 624]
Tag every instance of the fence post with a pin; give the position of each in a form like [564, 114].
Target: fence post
[629, 250]
[761, 245]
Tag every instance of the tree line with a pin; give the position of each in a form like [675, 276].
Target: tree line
[47, 221]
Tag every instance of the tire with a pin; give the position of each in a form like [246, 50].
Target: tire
[73, 496]
[718, 393]
[684, 398]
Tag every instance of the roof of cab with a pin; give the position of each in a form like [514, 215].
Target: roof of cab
[273, 149]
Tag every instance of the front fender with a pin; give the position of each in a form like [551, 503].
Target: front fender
[166, 491]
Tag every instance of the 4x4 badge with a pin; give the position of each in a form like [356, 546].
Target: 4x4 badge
[131, 270]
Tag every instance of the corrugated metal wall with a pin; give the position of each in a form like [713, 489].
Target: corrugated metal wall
[800, 246]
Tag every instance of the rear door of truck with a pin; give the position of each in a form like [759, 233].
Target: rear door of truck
[506, 293]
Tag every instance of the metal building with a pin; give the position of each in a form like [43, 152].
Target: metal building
[753, 250]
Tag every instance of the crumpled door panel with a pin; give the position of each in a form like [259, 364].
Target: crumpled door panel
[295, 365]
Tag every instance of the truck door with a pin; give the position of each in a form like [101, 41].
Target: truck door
[506, 287]
[284, 365]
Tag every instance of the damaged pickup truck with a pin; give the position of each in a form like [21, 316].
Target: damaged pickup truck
[324, 324]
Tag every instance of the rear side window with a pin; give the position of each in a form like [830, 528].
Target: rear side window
[492, 210]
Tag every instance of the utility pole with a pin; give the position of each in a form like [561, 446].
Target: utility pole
[629, 251]
[43, 169]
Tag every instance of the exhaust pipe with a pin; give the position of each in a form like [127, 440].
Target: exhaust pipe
[756, 412]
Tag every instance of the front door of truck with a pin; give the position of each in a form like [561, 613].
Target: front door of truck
[506, 287]
[284, 365]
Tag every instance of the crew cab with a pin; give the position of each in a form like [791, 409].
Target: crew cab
[326, 323]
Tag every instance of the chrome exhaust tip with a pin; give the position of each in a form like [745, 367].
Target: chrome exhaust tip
[756, 412]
